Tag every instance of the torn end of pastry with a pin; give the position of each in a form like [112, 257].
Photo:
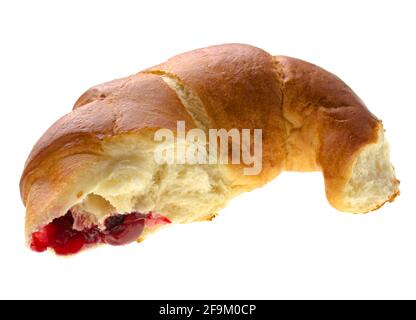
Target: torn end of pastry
[373, 181]
[131, 198]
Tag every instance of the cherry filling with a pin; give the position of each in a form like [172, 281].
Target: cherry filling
[120, 229]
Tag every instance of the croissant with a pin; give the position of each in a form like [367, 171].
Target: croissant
[93, 177]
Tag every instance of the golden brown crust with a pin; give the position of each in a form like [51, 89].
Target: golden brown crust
[239, 88]
[328, 123]
[311, 120]
[142, 101]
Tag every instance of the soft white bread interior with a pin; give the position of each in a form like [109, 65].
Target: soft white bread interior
[373, 180]
[136, 182]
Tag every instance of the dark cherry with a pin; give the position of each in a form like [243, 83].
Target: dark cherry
[123, 229]
[119, 230]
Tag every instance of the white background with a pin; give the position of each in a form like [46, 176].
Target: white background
[282, 241]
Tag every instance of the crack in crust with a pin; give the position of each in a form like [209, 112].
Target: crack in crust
[190, 100]
[281, 83]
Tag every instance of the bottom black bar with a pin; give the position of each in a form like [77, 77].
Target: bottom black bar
[223, 309]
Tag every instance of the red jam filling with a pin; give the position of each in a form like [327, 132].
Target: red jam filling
[120, 229]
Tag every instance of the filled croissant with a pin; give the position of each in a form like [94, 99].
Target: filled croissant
[98, 174]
